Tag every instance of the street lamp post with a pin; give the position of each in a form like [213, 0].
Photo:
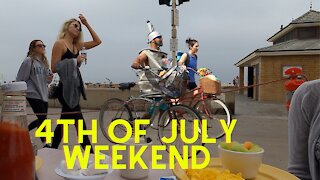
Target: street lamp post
[174, 24]
[174, 40]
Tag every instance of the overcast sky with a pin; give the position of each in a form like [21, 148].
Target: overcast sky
[226, 30]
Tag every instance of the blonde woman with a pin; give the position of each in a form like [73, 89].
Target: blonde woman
[35, 71]
[66, 61]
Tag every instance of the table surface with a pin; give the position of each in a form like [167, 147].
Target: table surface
[266, 172]
[52, 157]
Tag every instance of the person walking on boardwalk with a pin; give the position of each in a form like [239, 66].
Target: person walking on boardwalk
[35, 71]
[190, 60]
[66, 61]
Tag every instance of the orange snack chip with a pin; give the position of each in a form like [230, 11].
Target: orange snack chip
[212, 174]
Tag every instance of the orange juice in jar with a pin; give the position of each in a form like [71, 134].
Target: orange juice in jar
[16, 153]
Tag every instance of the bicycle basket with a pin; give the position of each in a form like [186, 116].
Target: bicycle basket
[174, 82]
[210, 86]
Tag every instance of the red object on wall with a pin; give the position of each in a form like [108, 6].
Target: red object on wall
[294, 81]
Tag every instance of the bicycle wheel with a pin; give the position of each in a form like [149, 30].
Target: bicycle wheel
[110, 111]
[143, 108]
[213, 110]
[165, 128]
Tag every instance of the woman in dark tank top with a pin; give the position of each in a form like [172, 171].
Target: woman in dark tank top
[68, 55]
[67, 47]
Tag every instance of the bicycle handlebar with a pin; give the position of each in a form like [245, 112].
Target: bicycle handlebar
[146, 70]
[155, 74]
[196, 72]
[189, 68]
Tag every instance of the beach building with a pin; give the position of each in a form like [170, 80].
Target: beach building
[295, 45]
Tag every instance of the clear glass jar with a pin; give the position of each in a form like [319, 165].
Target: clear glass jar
[84, 53]
[16, 153]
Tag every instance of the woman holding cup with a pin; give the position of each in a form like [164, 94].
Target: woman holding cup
[66, 61]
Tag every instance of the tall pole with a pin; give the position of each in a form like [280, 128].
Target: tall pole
[174, 40]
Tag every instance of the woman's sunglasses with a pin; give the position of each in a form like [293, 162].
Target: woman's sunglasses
[40, 45]
[77, 27]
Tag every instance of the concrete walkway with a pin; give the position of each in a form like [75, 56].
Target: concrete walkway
[262, 123]
[265, 124]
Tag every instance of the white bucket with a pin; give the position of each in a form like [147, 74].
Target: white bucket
[137, 172]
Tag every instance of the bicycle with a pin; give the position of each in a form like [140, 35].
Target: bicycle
[209, 107]
[149, 104]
